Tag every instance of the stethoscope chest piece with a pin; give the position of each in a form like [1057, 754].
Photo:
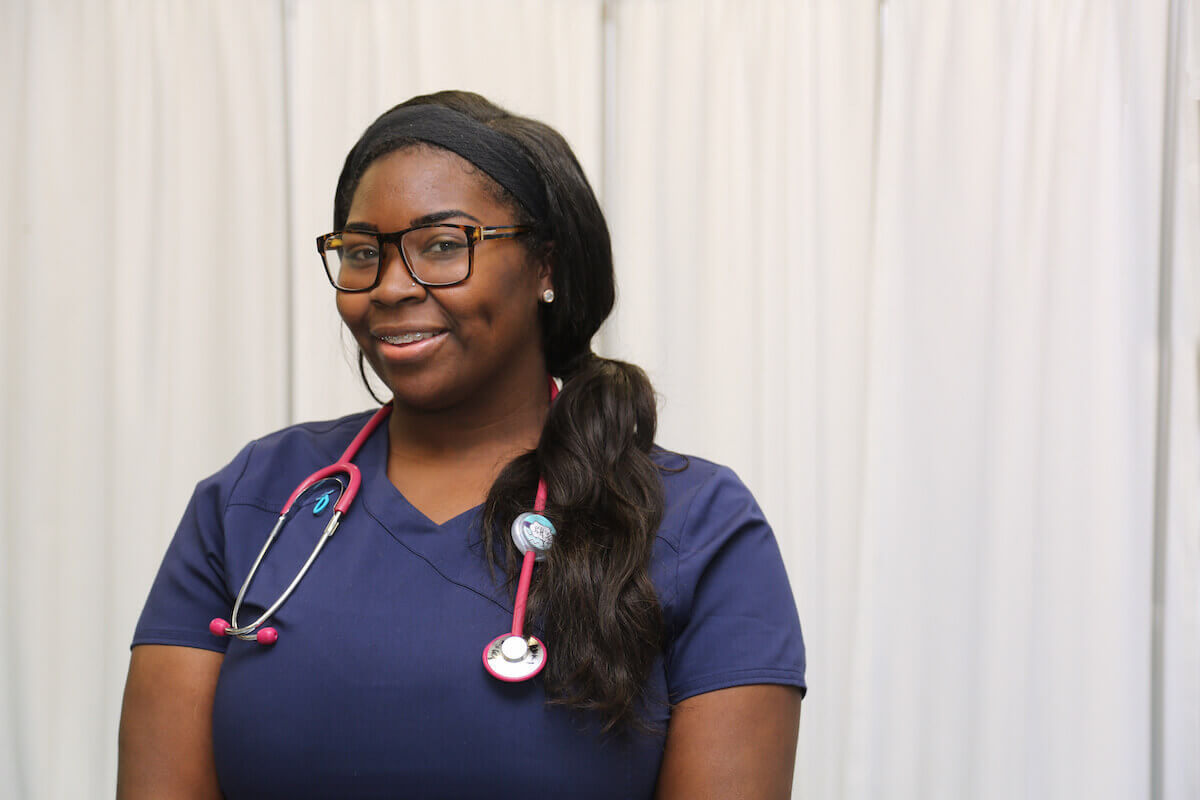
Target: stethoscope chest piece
[514, 658]
[533, 532]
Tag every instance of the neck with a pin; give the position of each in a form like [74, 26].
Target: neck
[487, 429]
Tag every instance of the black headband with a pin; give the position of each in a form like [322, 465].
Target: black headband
[491, 151]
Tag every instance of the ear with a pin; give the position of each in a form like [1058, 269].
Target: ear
[545, 270]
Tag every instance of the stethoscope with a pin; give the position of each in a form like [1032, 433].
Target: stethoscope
[511, 656]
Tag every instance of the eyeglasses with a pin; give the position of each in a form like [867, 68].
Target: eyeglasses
[435, 255]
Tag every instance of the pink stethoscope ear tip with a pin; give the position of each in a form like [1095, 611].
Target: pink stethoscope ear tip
[267, 636]
[218, 627]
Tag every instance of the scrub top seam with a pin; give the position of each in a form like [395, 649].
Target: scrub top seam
[242, 474]
[257, 505]
[666, 541]
[174, 637]
[750, 676]
[669, 653]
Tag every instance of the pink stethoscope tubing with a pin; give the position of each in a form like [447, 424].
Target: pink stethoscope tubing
[511, 657]
[254, 631]
[522, 598]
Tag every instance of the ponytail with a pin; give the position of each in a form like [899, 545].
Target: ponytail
[593, 596]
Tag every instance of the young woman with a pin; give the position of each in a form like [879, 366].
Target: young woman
[661, 653]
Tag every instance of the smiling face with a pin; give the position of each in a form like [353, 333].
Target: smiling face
[437, 348]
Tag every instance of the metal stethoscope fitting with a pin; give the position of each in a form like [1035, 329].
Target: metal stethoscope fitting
[513, 656]
[510, 657]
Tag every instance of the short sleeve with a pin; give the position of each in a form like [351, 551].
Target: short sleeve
[190, 589]
[733, 620]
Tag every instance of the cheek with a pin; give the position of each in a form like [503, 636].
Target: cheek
[499, 300]
[348, 307]
[509, 309]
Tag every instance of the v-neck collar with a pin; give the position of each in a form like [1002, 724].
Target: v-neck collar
[454, 548]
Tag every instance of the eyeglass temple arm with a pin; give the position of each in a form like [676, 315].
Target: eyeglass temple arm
[501, 232]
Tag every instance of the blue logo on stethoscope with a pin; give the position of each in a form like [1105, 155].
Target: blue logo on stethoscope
[322, 503]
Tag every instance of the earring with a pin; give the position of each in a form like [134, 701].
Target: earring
[548, 296]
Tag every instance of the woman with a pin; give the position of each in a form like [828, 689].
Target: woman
[471, 261]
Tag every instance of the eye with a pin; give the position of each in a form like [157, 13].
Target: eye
[443, 246]
[361, 254]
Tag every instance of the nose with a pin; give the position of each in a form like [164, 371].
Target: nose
[396, 283]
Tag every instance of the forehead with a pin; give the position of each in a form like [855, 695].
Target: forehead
[405, 185]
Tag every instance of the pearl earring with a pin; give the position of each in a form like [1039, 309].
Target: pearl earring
[548, 296]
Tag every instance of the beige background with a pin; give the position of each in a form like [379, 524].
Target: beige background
[895, 262]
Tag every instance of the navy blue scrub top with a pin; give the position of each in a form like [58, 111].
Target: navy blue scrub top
[376, 687]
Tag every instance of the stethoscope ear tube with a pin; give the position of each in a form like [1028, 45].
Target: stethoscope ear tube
[251, 632]
[254, 632]
[509, 657]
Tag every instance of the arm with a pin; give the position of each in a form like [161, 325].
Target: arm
[165, 744]
[732, 743]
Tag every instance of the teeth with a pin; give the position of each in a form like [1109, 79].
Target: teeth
[408, 338]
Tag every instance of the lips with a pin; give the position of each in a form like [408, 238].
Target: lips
[410, 344]
[407, 333]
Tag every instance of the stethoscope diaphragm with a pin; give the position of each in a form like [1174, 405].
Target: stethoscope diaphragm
[514, 658]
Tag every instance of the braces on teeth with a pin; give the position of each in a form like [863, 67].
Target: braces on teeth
[407, 338]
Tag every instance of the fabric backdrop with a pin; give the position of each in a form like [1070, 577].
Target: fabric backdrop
[895, 262]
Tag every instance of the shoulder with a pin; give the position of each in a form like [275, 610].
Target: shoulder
[722, 580]
[278, 457]
[697, 490]
[708, 511]
[324, 439]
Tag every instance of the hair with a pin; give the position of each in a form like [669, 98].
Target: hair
[592, 596]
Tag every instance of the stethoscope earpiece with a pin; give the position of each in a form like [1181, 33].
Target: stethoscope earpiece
[221, 627]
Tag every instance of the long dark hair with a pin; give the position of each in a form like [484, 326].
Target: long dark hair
[593, 596]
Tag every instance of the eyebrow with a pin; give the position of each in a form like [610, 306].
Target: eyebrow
[427, 219]
[442, 216]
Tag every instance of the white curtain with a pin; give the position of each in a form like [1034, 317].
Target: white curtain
[1181, 618]
[896, 263]
[142, 334]
[745, 285]
[1009, 481]
[919, 313]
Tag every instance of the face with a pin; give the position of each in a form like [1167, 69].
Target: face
[480, 336]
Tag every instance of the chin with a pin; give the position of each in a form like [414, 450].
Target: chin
[424, 393]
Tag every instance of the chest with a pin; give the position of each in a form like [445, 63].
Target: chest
[377, 680]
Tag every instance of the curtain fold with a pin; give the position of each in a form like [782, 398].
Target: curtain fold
[1011, 405]
[143, 337]
[740, 202]
[1181, 617]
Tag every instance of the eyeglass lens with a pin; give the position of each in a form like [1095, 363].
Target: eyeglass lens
[437, 255]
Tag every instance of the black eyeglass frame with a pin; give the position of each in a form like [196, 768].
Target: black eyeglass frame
[475, 233]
